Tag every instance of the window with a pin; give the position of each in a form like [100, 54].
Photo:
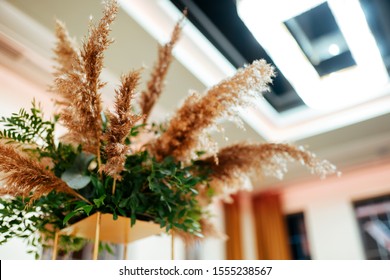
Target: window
[297, 237]
[373, 216]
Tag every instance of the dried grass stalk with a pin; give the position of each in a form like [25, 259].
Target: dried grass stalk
[120, 123]
[269, 159]
[22, 176]
[186, 128]
[155, 85]
[68, 60]
[79, 84]
[66, 52]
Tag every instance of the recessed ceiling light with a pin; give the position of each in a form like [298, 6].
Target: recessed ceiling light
[354, 85]
[334, 49]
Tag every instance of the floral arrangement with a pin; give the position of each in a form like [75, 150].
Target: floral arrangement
[115, 161]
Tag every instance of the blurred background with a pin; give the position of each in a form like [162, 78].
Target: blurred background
[331, 95]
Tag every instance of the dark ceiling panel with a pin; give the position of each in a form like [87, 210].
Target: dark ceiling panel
[219, 22]
[321, 40]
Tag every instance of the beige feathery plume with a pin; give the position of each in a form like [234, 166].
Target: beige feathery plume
[66, 52]
[155, 84]
[25, 177]
[80, 84]
[268, 159]
[198, 113]
[68, 60]
[120, 123]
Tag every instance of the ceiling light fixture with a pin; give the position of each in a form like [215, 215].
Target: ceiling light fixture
[342, 89]
[334, 49]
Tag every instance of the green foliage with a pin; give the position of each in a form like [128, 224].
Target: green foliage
[75, 176]
[36, 223]
[164, 192]
[161, 191]
[29, 128]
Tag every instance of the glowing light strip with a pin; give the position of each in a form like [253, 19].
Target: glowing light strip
[338, 90]
[352, 23]
[291, 125]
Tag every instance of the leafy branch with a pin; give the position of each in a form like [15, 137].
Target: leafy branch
[37, 223]
[29, 128]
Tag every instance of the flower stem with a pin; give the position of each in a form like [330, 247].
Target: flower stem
[114, 186]
[81, 197]
[99, 161]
